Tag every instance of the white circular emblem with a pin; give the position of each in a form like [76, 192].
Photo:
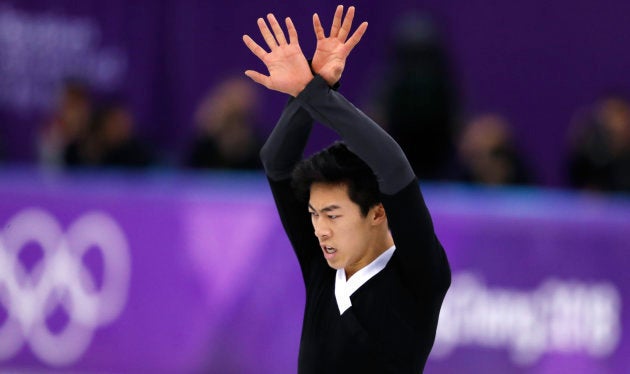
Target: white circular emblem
[59, 280]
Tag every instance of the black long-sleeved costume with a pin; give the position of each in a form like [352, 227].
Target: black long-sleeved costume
[390, 327]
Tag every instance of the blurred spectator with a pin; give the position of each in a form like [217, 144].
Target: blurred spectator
[486, 153]
[68, 124]
[225, 122]
[112, 140]
[599, 156]
[418, 107]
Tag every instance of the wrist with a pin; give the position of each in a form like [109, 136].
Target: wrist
[302, 85]
[332, 83]
[316, 86]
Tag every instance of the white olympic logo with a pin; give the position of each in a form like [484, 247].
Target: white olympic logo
[60, 279]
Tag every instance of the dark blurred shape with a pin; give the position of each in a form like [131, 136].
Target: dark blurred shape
[418, 107]
[69, 123]
[112, 141]
[599, 156]
[225, 122]
[486, 153]
[3, 152]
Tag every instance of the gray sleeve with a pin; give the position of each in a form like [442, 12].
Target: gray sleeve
[362, 135]
[284, 147]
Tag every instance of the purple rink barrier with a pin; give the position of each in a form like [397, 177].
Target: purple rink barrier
[177, 273]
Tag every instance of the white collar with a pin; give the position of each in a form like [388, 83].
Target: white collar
[344, 288]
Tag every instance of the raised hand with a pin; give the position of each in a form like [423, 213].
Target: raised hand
[288, 69]
[332, 51]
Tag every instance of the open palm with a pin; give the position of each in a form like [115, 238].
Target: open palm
[287, 66]
[331, 52]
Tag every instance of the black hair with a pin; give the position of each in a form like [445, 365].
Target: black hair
[336, 164]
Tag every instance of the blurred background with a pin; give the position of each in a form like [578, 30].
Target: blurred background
[137, 232]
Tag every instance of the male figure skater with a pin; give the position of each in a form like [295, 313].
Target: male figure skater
[374, 271]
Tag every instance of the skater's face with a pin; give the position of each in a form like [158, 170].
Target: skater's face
[348, 239]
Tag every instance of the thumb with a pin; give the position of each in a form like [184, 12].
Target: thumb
[258, 78]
